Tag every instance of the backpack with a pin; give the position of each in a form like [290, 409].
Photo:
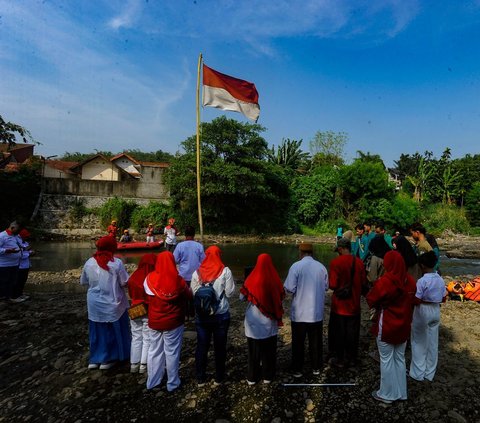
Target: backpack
[205, 301]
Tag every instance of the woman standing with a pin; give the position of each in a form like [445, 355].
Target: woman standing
[392, 296]
[107, 305]
[139, 326]
[403, 246]
[263, 289]
[167, 306]
[212, 274]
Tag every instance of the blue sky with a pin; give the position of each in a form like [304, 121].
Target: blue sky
[398, 76]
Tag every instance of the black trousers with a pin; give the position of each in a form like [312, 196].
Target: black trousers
[314, 331]
[22, 277]
[262, 358]
[8, 279]
[343, 336]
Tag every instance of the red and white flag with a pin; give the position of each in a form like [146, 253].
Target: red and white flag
[229, 93]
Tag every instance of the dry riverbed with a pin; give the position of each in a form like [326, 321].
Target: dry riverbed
[44, 376]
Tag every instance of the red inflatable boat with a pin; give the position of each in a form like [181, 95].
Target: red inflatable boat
[139, 245]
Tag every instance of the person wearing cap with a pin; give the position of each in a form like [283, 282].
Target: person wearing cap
[126, 237]
[171, 233]
[150, 232]
[347, 273]
[307, 281]
[10, 254]
[113, 229]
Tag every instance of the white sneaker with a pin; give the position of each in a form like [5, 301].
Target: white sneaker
[106, 366]
[142, 369]
[250, 383]
[267, 382]
[16, 300]
[25, 297]
[134, 367]
[92, 366]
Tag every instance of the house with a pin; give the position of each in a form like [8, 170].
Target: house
[395, 176]
[15, 153]
[58, 169]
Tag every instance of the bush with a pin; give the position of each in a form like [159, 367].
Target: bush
[399, 213]
[155, 212]
[116, 209]
[472, 204]
[78, 209]
[438, 218]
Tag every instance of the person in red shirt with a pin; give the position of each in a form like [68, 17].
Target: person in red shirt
[392, 296]
[168, 294]
[346, 271]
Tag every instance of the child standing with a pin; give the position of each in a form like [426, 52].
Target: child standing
[139, 326]
[430, 293]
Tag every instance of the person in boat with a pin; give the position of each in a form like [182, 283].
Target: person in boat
[263, 289]
[171, 234]
[107, 305]
[212, 273]
[392, 298]
[113, 229]
[168, 295]
[431, 292]
[307, 280]
[126, 237]
[150, 233]
[188, 255]
[10, 255]
[139, 326]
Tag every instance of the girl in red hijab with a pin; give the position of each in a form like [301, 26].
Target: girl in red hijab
[212, 274]
[139, 326]
[167, 306]
[392, 296]
[264, 292]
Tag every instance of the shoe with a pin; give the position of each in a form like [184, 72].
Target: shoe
[92, 366]
[106, 366]
[25, 297]
[297, 375]
[201, 384]
[215, 383]
[266, 382]
[250, 383]
[316, 372]
[376, 397]
[134, 368]
[142, 369]
[16, 300]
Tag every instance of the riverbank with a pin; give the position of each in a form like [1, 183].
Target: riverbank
[44, 356]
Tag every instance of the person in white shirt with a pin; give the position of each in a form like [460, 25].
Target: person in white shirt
[430, 293]
[24, 266]
[213, 272]
[107, 304]
[307, 280]
[10, 255]
[171, 233]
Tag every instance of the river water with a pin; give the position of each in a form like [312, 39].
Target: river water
[58, 256]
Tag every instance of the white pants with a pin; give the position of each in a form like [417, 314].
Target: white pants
[150, 239]
[393, 373]
[425, 326]
[140, 340]
[164, 352]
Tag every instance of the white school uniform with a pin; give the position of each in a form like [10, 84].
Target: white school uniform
[140, 340]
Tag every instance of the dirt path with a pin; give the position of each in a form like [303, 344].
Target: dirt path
[44, 376]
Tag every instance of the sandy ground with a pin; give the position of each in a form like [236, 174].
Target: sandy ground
[44, 376]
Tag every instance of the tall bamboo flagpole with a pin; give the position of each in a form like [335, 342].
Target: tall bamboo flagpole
[199, 203]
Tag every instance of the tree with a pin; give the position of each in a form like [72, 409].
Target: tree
[472, 204]
[407, 164]
[369, 157]
[329, 146]
[9, 131]
[288, 154]
[241, 191]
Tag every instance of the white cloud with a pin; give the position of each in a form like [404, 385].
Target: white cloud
[129, 15]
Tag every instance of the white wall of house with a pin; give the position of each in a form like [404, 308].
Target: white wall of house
[51, 172]
[100, 170]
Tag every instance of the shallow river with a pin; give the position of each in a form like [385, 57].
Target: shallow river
[58, 256]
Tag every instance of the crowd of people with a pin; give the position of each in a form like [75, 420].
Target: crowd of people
[399, 281]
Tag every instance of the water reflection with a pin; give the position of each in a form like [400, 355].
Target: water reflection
[59, 256]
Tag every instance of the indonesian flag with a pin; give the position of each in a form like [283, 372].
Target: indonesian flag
[229, 93]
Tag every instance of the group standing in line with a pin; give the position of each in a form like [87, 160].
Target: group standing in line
[194, 283]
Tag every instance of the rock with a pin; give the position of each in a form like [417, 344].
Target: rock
[288, 414]
[10, 360]
[276, 420]
[456, 416]
[60, 363]
[309, 404]
[191, 404]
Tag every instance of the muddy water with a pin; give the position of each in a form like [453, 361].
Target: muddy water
[61, 256]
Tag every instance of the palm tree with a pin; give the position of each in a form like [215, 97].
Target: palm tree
[288, 154]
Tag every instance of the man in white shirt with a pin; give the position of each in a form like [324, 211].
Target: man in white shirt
[307, 280]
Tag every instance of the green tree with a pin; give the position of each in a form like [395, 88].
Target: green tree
[288, 154]
[241, 191]
[327, 147]
[152, 156]
[9, 132]
[472, 204]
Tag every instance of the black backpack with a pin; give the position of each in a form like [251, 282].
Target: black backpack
[205, 301]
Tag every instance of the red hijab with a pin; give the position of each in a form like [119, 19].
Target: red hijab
[395, 268]
[264, 288]
[164, 281]
[145, 266]
[106, 247]
[212, 266]
[24, 234]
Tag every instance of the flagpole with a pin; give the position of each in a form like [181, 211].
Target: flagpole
[199, 203]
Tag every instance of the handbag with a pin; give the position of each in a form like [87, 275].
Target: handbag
[137, 311]
[345, 291]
